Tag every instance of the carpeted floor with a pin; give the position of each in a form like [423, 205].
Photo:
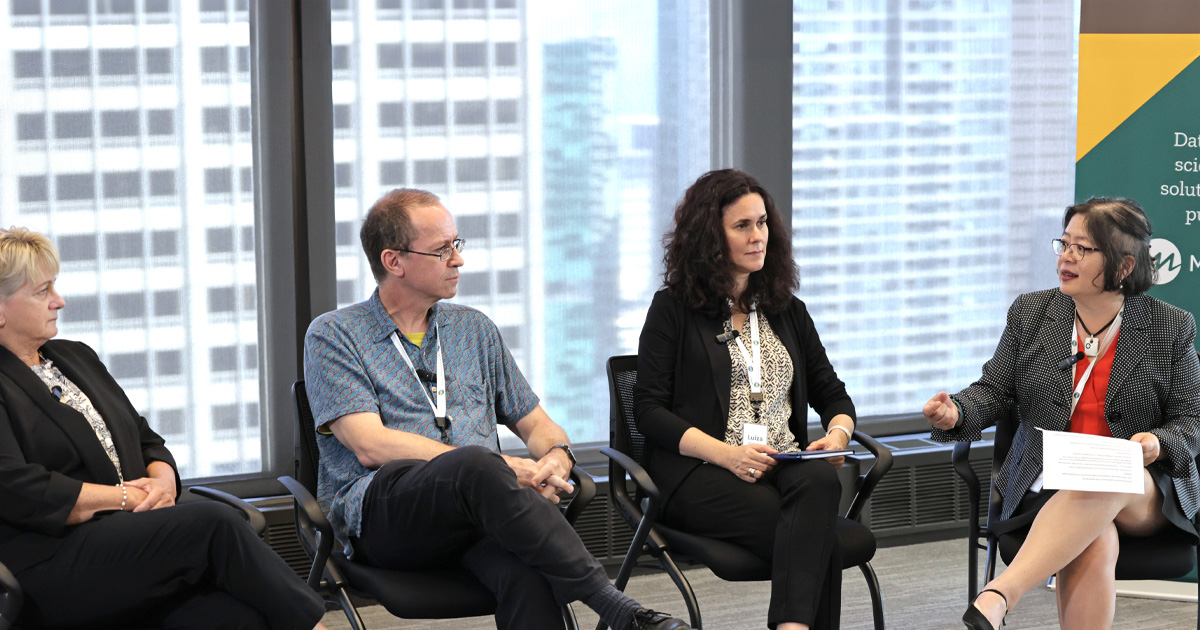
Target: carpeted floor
[924, 587]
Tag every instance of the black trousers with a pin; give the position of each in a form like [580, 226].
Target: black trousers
[465, 506]
[787, 518]
[194, 565]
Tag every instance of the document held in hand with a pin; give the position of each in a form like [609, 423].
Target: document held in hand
[1076, 461]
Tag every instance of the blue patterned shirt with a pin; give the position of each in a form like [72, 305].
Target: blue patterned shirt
[352, 366]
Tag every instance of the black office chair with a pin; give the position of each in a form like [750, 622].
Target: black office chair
[1141, 558]
[11, 598]
[443, 594]
[728, 561]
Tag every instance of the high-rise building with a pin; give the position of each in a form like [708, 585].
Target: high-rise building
[918, 175]
[125, 136]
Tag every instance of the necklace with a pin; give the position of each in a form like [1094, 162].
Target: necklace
[1091, 345]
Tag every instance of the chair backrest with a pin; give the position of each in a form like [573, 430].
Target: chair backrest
[306, 453]
[623, 432]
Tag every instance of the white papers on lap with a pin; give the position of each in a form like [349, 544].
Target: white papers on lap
[1076, 461]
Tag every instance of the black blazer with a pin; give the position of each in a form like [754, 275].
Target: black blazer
[1154, 387]
[48, 450]
[684, 375]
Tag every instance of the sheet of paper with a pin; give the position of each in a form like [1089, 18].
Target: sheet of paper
[1075, 461]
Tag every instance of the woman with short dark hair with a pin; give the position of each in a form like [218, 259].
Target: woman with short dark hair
[1096, 356]
[88, 521]
[728, 361]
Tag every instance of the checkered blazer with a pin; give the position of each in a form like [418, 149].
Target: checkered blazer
[1154, 386]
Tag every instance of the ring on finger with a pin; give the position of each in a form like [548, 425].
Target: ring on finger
[750, 471]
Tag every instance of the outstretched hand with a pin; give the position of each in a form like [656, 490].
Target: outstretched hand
[941, 412]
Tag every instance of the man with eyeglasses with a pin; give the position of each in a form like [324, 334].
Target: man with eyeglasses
[407, 392]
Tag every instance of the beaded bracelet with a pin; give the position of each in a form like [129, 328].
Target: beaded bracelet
[841, 428]
[124, 497]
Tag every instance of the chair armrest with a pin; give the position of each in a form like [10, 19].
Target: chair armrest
[622, 465]
[254, 517]
[313, 527]
[10, 599]
[960, 457]
[585, 491]
[868, 481]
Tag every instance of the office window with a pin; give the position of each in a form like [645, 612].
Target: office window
[428, 55]
[216, 120]
[123, 245]
[893, 106]
[77, 248]
[69, 7]
[429, 114]
[245, 180]
[243, 59]
[126, 305]
[81, 308]
[128, 365]
[608, 73]
[167, 303]
[470, 113]
[72, 125]
[75, 186]
[25, 8]
[119, 123]
[160, 122]
[168, 363]
[219, 240]
[506, 54]
[118, 62]
[214, 59]
[341, 58]
[70, 63]
[243, 120]
[471, 170]
[225, 417]
[159, 61]
[32, 188]
[341, 117]
[470, 55]
[343, 175]
[247, 237]
[164, 243]
[391, 173]
[169, 421]
[391, 115]
[162, 183]
[122, 184]
[31, 126]
[223, 358]
[222, 300]
[27, 64]
[429, 172]
[218, 181]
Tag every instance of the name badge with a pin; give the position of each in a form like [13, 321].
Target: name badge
[754, 433]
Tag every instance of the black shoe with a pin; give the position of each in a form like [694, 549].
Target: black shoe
[646, 619]
[976, 620]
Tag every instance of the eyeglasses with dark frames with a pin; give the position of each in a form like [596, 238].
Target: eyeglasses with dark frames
[1074, 251]
[443, 254]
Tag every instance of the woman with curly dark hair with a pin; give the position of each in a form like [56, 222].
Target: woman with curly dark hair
[728, 360]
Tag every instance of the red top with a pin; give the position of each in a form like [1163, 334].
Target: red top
[1089, 411]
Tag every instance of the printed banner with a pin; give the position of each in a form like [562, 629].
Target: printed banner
[1139, 126]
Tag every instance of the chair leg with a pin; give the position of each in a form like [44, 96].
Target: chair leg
[685, 589]
[972, 567]
[876, 594]
[569, 618]
[352, 616]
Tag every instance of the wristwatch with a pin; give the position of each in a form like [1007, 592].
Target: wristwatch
[566, 449]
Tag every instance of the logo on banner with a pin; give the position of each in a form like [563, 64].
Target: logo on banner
[1167, 259]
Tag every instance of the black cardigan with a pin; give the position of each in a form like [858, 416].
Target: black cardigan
[684, 376]
[48, 450]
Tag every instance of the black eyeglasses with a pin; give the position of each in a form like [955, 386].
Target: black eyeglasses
[1074, 251]
[444, 253]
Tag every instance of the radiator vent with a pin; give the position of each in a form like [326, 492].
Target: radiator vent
[922, 493]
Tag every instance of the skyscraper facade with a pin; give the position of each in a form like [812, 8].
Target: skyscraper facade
[125, 136]
[925, 157]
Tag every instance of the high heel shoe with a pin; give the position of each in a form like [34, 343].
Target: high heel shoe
[976, 620]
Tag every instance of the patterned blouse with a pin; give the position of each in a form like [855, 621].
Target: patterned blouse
[77, 400]
[776, 408]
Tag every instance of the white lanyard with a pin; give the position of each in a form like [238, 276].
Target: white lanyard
[753, 361]
[1103, 343]
[439, 390]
